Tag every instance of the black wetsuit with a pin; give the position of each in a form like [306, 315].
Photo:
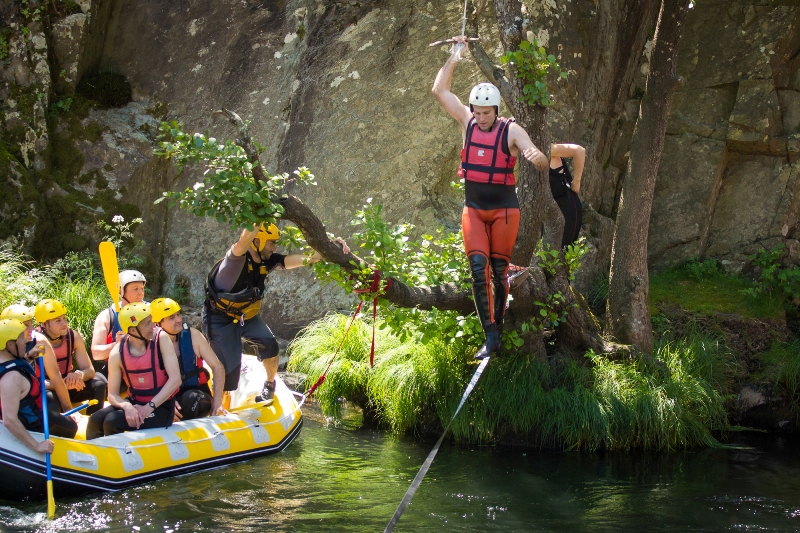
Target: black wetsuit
[568, 201]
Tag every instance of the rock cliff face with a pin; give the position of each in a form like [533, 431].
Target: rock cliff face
[343, 88]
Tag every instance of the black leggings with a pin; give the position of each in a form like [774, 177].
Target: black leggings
[570, 205]
[95, 389]
[111, 420]
[60, 425]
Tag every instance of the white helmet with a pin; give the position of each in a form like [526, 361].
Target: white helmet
[484, 94]
[129, 276]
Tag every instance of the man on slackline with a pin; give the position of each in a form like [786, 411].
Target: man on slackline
[490, 219]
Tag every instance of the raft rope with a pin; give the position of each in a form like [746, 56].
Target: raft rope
[373, 289]
[128, 448]
[427, 464]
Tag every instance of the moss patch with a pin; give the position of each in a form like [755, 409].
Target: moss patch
[716, 293]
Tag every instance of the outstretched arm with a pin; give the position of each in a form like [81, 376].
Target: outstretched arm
[441, 86]
[298, 260]
[578, 155]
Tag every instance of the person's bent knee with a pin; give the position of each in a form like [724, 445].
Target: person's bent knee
[195, 404]
[232, 378]
[478, 264]
[268, 349]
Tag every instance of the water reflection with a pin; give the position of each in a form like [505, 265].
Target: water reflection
[335, 479]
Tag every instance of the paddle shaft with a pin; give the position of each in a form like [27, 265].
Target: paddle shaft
[51, 504]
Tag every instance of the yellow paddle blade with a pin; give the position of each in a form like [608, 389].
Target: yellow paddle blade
[51, 501]
[108, 258]
[92, 402]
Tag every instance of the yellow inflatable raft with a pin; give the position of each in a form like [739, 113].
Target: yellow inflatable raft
[119, 461]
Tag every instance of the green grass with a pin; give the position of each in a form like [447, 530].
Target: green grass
[710, 293]
[676, 401]
[781, 366]
[23, 283]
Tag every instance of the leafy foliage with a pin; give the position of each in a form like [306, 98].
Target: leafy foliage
[677, 401]
[702, 270]
[228, 192]
[775, 279]
[531, 63]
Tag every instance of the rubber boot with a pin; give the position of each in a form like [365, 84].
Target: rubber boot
[492, 344]
[501, 289]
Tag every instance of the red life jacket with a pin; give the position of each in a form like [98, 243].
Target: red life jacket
[64, 352]
[145, 375]
[485, 157]
[30, 407]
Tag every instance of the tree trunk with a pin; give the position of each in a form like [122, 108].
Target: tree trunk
[628, 312]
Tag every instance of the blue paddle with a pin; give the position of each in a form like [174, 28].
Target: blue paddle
[81, 407]
[51, 502]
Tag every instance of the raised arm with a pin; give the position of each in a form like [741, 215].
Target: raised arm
[578, 155]
[441, 86]
[240, 247]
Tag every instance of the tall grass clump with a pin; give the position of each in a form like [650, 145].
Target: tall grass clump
[84, 294]
[673, 400]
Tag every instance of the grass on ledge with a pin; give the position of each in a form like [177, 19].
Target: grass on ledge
[676, 401]
[714, 293]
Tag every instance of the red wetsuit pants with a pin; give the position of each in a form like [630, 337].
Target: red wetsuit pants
[489, 238]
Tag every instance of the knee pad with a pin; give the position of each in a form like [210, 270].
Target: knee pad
[195, 404]
[479, 265]
[267, 349]
[499, 267]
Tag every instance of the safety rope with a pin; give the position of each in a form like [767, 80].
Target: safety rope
[374, 288]
[427, 464]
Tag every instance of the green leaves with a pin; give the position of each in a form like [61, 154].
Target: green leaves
[228, 192]
[531, 63]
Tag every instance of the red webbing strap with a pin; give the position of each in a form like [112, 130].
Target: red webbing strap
[321, 379]
[373, 289]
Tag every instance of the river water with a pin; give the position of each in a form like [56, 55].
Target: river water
[345, 479]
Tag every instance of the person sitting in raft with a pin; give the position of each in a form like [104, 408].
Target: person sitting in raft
[74, 363]
[146, 361]
[194, 398]
[20, 393]
[107, 332]
[565, 188]
[54, 381]
[234, 289]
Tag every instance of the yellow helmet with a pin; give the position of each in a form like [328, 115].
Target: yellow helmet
[271, 233]
[48, 309]
[162, 308]
[10, 330]
[132, 314]
[19, 312]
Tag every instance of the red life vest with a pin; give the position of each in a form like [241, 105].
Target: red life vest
[485, 157]
[30, 407]
[145, 375]
[64, 352]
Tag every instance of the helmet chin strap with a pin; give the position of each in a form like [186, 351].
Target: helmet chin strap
[46, 334]
[139, 336]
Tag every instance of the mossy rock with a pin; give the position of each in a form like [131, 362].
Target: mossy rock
[107, 88]
[20, 202]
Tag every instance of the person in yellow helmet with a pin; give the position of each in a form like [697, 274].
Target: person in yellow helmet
[74, 362]
[145, 360]
[194, 399]
[234, 289]
[20, 393]
[54, 382]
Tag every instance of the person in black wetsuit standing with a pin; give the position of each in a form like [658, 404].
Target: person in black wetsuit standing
[565, 187]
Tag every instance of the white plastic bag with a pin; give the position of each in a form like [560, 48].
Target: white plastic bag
[251, 381]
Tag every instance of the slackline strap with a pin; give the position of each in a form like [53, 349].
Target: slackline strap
[427, 464]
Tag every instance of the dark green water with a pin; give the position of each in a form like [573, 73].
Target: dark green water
[342, 479]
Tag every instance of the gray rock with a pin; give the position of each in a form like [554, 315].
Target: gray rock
[751, 397]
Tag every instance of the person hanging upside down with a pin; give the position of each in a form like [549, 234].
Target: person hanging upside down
[194, 398]
[490, 219]
[565, 188]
